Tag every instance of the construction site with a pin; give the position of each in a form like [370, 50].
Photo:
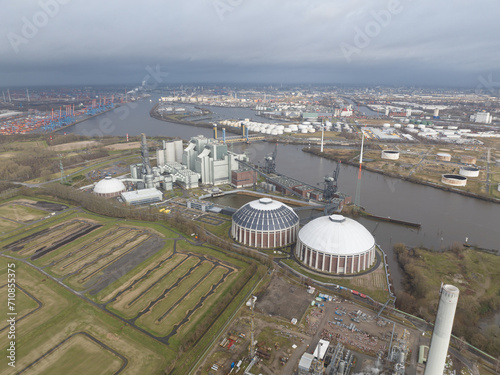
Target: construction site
[327, 334]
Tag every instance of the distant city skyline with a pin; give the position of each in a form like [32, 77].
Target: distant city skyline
[398, 42]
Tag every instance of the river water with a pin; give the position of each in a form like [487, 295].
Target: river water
[445, 217]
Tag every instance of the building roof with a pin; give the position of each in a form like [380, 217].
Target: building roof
[337, 235]
[109, 186]
[306, 361]
[266, 214]
[142, 194]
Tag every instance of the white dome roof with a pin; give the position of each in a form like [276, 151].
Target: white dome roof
[109, 186]
[337, 235]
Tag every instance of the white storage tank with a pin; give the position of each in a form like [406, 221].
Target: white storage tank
[454, 179]
[443, 156]
[397, 126]
[386, 125]
[469, 171]
[390, 154]
[411, 126]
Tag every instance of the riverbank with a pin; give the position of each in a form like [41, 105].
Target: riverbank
[318, 153]
[154, 114]
[82, 120]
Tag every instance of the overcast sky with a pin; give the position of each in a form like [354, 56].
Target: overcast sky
[419, 42]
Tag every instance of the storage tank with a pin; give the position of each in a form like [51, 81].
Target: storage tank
[410, 126]
[133, 171]
[443, 156]
[397, 126]
[467, 159]
[386, 125]
[469, 171]
[178, 150]
[454, 179]
[390, 154]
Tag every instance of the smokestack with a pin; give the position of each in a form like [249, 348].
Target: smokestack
[442, 330]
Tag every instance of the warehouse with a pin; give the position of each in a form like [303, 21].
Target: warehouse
[143, 196]
[265, 223]
[335, 244]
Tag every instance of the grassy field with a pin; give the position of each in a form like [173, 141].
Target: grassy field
[20, 213]
[8, 225]
[96, 359]
[186, 282]
[63, 314]
[373, 284]
[474, 272]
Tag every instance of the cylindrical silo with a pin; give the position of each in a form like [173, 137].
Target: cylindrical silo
[442, 330]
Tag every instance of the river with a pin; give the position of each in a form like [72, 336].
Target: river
[445, 217]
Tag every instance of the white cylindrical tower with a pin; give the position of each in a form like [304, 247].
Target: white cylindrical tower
[442, 330]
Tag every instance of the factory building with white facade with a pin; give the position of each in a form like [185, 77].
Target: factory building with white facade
[335, 244]
[211, 160]
[265, 223]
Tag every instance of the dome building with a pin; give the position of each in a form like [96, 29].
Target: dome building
[335, 244]
[109, 187]
[265, 223]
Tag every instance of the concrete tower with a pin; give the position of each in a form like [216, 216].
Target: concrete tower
[442, 330]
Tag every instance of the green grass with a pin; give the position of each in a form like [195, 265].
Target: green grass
[23, 304]
[64, 313]
[18, 212]
[138, 305]
[149, 321]
[96, 359]
[7, 226]
[188, 303]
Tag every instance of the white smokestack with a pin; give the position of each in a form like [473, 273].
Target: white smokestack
[442, 330]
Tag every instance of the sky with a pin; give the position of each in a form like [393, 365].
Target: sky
[395, 42]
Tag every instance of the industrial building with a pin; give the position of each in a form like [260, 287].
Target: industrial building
[170, 152]
[144, 196]
[442, 330]
[335, 244]
[242, 178]
[211, 160]
[265, 223]
[481, 117]
[109, 187]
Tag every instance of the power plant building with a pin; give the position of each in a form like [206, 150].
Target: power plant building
[265, 223]
[335, 244]
[211, 160]
[442, 330]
